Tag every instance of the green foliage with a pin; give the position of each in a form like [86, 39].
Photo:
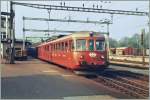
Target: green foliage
[113, 43]
[134, 41]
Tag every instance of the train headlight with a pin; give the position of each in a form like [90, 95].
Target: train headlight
[102, 57]
[81, 57]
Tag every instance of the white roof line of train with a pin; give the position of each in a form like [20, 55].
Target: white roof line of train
[73, 35]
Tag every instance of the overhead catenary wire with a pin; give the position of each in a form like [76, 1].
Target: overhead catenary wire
[81, 9]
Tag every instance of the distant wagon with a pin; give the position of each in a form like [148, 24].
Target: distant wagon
[112, 50]
[124, 51]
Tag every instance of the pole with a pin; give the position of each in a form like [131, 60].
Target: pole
[23, 34]
[49, 11]
[143, 49]
[12, 61]
[108, 48]
[0, 36]
[7, 22]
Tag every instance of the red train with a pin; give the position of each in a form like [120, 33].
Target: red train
[82, 50]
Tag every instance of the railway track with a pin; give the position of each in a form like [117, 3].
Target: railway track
[124, 87]
[132, 84]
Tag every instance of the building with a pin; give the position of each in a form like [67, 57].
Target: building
[5, 32]
[18, 46]
[5, 27]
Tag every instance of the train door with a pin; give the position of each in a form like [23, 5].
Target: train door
[70, 56]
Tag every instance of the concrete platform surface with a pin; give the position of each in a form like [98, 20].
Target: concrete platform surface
[36, 79]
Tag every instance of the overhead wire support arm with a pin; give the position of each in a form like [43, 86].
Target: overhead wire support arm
[65, 31]
[83, 9]
[36, 37]
[62, 20]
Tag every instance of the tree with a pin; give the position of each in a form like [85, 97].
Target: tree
[124, 42]
[113, 43]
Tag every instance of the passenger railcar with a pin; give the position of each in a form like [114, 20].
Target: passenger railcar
[82, 50]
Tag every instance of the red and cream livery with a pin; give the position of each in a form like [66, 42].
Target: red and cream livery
[82, 50]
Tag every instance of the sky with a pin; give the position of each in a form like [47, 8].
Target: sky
[123, 25]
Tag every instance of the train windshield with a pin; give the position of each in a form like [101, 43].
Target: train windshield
[100, 45]
[91, 45]
[81, 45]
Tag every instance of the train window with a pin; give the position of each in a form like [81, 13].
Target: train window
[57, 46]
[62, 46]
[54, 47]
[71, 46]
[45, 48]
[51, 47]
[48, 48]
[100, 45]
[66, 46]
[81, 45]
[91, 45]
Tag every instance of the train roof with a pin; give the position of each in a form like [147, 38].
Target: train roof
[77, 35]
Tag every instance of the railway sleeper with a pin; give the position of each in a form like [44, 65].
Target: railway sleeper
[133, 83]
[132, 87]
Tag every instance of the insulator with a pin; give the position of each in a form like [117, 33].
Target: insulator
[101, 6]
[64, 3]
[93, 5]
[83, 4]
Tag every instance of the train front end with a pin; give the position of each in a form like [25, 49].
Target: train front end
[90, 52]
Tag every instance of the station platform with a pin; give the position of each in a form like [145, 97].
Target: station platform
[35, 79]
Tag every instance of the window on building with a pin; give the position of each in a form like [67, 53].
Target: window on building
[3, 35]
[3, 23]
